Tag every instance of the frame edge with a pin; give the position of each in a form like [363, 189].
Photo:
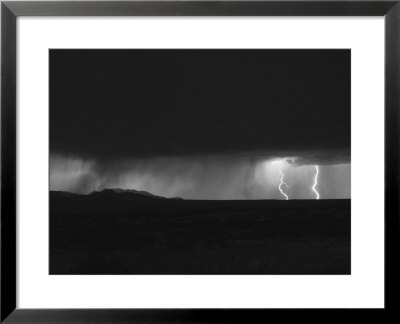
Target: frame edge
[8, 162]
[9, 13]
[202, 8]
[392, 154]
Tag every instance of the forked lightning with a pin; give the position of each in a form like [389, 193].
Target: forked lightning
[314, 187]
[283, 183]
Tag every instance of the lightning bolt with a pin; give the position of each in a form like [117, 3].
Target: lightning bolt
[314, 187]
[283, 183]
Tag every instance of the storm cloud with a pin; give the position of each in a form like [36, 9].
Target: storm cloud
[126, 104]
[219, 178]
[201, 124]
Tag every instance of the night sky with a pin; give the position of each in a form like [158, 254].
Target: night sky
[136, 103]
[109, 107]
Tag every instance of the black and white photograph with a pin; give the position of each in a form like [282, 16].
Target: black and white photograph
[200, 161]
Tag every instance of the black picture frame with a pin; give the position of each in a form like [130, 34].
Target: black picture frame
[11, 10]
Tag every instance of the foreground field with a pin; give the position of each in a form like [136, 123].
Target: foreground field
[110, 233]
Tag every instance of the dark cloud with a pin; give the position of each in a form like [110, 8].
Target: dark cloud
[322, 157]
[126, 104]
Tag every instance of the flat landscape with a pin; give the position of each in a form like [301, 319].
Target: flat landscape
[129, 232]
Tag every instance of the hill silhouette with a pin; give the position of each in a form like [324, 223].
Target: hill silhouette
[105, 200]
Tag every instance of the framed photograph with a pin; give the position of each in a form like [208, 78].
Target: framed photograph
[198, 161]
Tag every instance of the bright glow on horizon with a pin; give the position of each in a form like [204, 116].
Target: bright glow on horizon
[199, 178]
